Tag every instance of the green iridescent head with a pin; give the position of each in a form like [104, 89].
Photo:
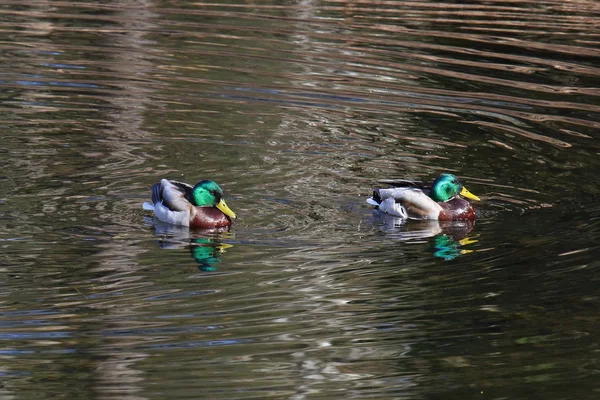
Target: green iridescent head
[207, 193]
[447, 187]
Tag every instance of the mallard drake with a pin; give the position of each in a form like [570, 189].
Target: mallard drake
[413, 201]
[198, 206]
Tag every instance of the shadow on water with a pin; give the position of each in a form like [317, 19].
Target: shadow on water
[206, 246]
[447, 239]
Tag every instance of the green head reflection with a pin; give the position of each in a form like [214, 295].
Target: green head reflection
[448, 248]
[207, 253]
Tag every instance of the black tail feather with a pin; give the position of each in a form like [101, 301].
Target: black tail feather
[376, 196]
[156, 195]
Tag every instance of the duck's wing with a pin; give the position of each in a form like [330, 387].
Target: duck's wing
[172, 194]
[405, 202]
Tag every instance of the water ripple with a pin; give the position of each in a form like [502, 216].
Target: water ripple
[298, 110]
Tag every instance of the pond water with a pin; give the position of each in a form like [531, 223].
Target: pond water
[298, 109]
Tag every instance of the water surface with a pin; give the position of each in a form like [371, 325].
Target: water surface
[297, 109]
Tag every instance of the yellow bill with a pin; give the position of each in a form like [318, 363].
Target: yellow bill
[225, 209]
[466, 241]
[465, 193]
[221, 247]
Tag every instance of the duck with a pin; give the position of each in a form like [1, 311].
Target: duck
[412, 200]
[198, 206]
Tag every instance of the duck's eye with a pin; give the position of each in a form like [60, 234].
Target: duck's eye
[455, 181]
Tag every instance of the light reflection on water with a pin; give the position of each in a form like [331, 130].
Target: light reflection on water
[298, 110]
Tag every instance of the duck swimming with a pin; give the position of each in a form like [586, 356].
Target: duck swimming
[198, 206]
[442, 201]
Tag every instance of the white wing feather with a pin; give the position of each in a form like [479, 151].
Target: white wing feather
[174, 196]
[170, 204]
[407, 203]
[163, 213]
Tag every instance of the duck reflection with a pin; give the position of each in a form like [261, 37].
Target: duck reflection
[447, 238]
[205, 245]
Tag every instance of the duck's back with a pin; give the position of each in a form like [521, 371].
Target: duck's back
[407, 202]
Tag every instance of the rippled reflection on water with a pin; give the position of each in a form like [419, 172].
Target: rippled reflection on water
[297, 110]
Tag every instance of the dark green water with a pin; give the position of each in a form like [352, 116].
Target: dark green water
[297, 109]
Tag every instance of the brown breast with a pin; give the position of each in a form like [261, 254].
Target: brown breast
[209, 217]
[456, 209]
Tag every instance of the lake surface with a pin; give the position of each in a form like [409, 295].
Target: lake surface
[298, 109]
